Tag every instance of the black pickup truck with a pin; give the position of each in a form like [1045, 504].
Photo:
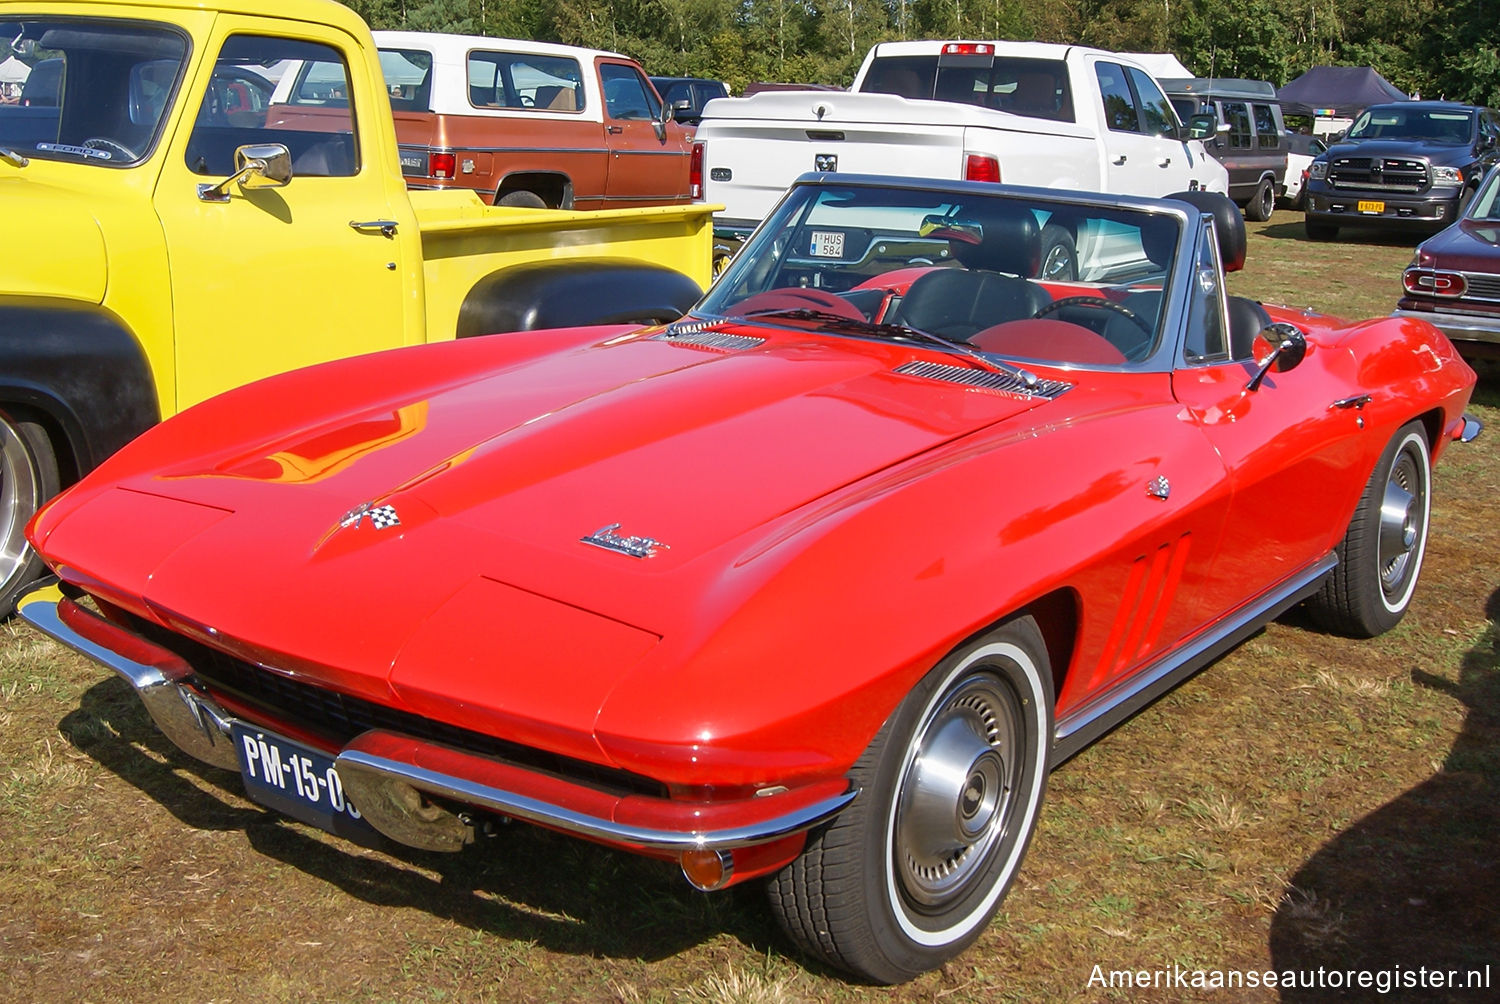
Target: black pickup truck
[1409, 164]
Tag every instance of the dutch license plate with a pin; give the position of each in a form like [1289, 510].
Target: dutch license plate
[1371, 207]
[827, 244]
[298, 781]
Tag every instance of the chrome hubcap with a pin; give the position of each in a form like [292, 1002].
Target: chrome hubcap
[957, 792]
[1058, 265]
[18, 491]
[1402, 511]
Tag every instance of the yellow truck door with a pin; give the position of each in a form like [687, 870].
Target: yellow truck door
[328, 265]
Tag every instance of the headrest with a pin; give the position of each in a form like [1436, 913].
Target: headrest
[994, 237]
[1228, 224]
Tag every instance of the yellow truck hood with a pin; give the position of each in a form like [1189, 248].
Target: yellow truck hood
[56, 246]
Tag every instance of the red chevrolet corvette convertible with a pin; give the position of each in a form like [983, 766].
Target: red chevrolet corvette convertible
[812, 586]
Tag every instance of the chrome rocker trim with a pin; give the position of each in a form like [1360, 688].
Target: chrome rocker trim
[378, 764]
[1081, 727]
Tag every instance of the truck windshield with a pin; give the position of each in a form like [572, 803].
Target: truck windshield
[97, 92]
[1448, 126]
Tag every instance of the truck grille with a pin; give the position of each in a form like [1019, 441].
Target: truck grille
[1379, 174]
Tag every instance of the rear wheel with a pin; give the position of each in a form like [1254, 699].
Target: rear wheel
[521, 199]
[1380, 556]
[1262, 202]
[950, 789]
[28, 477]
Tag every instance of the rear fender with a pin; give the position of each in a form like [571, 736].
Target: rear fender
[576, 293]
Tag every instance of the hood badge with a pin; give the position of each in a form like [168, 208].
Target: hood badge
[636, 547]
[1159, 488]
[380, 517]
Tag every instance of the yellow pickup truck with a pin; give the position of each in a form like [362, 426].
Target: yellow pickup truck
[198, 194]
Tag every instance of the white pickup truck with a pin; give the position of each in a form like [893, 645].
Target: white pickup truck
[1025, 113]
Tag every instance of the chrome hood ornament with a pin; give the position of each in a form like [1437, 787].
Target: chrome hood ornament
[636, 547]
[380, 517]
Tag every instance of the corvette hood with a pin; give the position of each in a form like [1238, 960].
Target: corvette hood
[493, 481]
[515, 464]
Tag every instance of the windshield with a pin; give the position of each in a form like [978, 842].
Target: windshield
[97, 91]
[1449, 126]
[1062, 282]
[1486, 205]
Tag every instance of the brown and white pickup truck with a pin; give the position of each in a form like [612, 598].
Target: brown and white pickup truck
[531, 123]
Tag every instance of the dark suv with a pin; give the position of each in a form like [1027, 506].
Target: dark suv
[1408, 164]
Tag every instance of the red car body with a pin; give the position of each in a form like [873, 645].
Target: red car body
[664, 588]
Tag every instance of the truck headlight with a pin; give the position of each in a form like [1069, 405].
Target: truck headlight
[1447, 176]
[1318, 171]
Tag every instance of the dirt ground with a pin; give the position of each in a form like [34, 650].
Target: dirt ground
[1305, 802]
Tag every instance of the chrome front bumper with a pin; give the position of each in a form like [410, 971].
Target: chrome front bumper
[382, 771]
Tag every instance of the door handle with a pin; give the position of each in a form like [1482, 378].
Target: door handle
[1164, 162]
[1120, 159]
[614, 129]
[387, 228]
[1357, 402]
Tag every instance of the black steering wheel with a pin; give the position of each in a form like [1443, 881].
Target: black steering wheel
[111, 145]
[1100, 303]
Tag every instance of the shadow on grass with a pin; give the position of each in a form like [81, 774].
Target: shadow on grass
[1374, 236]
[1417, 882]
[526, 884]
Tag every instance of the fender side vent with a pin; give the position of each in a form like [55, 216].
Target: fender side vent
[1003, 383]
[699, 336]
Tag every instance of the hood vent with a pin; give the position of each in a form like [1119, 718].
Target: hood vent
[1004, 383]
[701, 335]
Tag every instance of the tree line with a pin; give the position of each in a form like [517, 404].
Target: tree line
[1425, 47]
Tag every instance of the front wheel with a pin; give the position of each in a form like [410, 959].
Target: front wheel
[950, 789]
[28, 477]
[1380, 556]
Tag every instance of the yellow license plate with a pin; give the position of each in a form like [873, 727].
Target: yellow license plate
[1372, 207]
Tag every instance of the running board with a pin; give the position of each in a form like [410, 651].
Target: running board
[1087, 723]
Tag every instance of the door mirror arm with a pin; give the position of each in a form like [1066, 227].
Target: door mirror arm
[1288, 347]
[256, 165]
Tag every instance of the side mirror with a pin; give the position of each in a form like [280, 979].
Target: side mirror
[256, 165]
[1202, 125]
[660, 123]
[1288, 347]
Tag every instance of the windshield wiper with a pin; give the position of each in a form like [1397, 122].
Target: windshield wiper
[900, 332]
[6, 153]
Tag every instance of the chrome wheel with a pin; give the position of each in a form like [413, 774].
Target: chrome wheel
[956, 792]
[950, 789]
[1380, 557]
[1403, 525]
[18, 499]
[28, 477]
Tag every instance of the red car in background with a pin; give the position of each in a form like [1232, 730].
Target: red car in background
[813, 586]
